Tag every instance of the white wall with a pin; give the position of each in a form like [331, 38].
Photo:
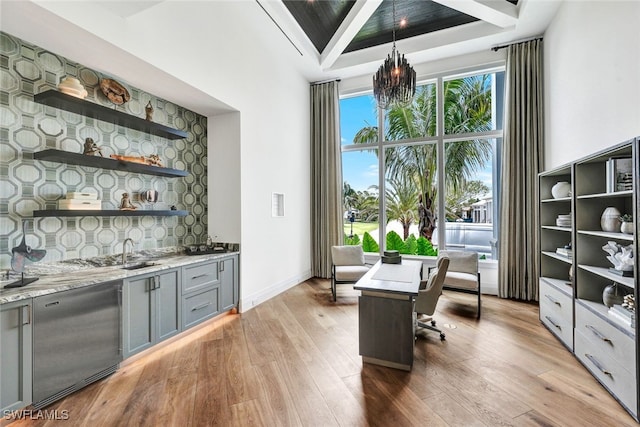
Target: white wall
[225, 207]
[592, 84]
[249, 66]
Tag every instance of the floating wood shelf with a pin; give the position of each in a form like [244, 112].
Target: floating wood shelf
[60, 100]
[138, 212]
[68, 157]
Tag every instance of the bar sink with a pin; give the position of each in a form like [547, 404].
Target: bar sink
[138, 265]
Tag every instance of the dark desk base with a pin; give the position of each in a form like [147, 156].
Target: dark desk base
[386, 330]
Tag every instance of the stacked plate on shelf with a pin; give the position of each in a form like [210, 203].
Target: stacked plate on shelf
[563, 220]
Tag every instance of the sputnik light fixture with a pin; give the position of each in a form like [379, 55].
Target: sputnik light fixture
[395, 81]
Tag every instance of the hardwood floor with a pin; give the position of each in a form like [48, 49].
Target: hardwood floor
[294, 361]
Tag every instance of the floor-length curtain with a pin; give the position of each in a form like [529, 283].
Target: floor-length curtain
[521, 162]
[326, 177]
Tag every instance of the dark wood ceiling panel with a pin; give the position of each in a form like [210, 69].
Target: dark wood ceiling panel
[319, 19]
[423, 16]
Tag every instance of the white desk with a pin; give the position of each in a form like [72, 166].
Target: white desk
[386, 330]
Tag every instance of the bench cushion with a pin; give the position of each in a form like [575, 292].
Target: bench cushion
[350, 272]
[456, 279]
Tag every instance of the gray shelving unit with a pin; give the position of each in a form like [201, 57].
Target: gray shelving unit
[573, 309]
[556, 285]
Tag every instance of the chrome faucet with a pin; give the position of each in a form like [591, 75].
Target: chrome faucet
[124, 249]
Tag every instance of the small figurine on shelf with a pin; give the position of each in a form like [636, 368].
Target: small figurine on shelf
[91, 148]
[125, 203]
[149, 111]
[154, 160]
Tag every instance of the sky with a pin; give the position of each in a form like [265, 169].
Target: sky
[359, 169]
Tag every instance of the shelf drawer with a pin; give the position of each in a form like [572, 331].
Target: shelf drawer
[558, 326]
[556, 302]
[556, 313]
[199, 307]
[620, 381]
[606, 338]
[199, 276]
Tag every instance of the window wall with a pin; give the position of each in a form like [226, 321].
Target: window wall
[429, 166]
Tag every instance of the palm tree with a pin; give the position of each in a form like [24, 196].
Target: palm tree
[367, 204]
[401, 197]
[467, 108]
[349, 196]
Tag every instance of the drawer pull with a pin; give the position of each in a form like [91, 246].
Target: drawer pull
[50, 304]
[26, 318]
[598, 334]
[598, 365]
[553, 323]
[197, 277]
[201, 306]
[553, 300]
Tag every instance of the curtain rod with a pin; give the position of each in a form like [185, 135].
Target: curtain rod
[497, 48]
[325, 81]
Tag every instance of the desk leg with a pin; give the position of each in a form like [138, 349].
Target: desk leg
[386, 333]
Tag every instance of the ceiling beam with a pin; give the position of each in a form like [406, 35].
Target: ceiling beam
[422, 48]
[353, 22]
[497, 12]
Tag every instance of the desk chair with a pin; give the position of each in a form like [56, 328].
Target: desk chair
[347, 265]
[428, 295]
[463, 274]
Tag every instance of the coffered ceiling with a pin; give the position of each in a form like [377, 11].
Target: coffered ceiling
[321, 19]
[348, 37]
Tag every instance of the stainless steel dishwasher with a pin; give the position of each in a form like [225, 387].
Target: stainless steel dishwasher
[76, 339]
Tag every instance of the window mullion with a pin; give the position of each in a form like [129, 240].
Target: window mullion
[442, 243]
[382, 217]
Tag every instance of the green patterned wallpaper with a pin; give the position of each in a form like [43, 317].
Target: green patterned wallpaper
[27, 184]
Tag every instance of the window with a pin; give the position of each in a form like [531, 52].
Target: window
[438, 169]
[360, 166]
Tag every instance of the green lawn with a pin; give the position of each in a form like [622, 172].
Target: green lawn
[360, 228]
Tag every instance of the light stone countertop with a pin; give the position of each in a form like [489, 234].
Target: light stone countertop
[72, 274]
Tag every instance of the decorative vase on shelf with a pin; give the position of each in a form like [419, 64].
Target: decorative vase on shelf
[627, 227]
[72, 86]
[610, 220]
[561, 189]
[613, 294]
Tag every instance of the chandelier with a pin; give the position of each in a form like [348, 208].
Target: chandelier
[395, 81]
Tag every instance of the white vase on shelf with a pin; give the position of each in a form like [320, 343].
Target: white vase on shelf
[561, 189]
[610, 220]
[626, 227]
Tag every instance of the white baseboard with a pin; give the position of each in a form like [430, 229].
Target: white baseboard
[247, 302]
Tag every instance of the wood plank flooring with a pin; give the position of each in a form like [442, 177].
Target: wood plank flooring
[294, 361]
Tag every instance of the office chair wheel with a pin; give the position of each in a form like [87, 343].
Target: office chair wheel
[433, 323]
[442, 337]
